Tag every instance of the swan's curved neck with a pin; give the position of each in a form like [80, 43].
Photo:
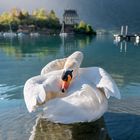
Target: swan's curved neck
[73, 62]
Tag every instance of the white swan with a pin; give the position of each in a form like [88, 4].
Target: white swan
[70, 93]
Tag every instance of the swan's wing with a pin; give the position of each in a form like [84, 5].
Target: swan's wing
[40, 88]
[105, 82]
[102, 80]
[81, 105]
[108, 84]
[34, 93]
[54, 65]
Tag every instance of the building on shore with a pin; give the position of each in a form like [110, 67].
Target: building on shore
[26, 28]
[70, 17]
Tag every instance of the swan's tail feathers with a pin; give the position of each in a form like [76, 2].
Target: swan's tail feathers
[34, 95]
[108, 84]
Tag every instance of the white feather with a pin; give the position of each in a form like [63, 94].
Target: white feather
[86, 98]
[54, 65]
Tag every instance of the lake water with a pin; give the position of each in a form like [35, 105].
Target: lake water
[22, 58]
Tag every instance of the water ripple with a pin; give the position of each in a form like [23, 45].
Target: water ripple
[4, 89]
[127, 105]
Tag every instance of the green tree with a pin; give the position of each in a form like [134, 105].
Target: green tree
[82, 25]
[52, 15]
[83, 28]
[40, 14]
[39, 18]
[25, 13]
[89, 29]
[53, 21]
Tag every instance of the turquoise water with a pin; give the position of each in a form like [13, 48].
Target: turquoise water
[22, 58]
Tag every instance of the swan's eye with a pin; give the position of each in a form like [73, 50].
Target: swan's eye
[66, 75]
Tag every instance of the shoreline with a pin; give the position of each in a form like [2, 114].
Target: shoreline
[40, 32]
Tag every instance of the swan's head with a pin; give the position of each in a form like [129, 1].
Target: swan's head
[71, 69]
[66, 79]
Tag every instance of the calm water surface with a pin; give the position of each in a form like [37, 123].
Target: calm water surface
[22, 58]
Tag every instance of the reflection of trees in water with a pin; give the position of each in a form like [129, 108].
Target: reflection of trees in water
[43, 45]
[26, 46]
[44, 130]
[74, 43]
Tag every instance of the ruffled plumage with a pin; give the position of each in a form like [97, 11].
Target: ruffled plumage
[85, 99]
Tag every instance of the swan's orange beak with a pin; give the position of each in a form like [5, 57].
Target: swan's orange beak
[66, 83]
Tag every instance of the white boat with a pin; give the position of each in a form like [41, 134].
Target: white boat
[34, 34]
[117, 38]
[9, 34]
[137, 40]
[63, 33]
[21, 34]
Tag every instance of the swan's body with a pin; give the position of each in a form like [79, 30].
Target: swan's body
[84, 100]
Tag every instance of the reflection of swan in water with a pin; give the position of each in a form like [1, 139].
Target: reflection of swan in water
[45, 130]
[86, 91]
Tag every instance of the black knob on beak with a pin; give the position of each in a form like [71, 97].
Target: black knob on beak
[63, 90]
